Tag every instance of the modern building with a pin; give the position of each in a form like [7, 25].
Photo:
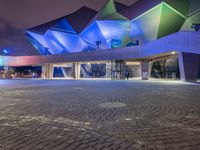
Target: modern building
[157, 39]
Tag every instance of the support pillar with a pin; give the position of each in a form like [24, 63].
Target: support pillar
[47, 71]
[7, 72]
[108, 69]
[76, 70]
[145, 70]
[118, 69]
[189, 65]
[43, 72]
[150, 68]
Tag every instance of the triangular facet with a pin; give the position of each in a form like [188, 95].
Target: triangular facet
[114, 30]
[120, 7]
[81, 18]
[170, 22]
[71, 42]
[40, 48]
[149, 23]
[92, 34]
[63, 26]
[108, 9]
[38, 37]
[123, 9]
[142, 6]
[42, 29]
[180, 5]
[114, 16]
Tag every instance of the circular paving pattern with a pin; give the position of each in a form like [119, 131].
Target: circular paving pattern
[94, 115]
[112, 105]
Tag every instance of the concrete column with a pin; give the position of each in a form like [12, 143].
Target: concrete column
[145, 70]
[50, 71]
[47, 71]
[150, 68]
[123, 69]
[7, 72]
[108, 69]
[43, 72]
[189, 65]
[76, 70]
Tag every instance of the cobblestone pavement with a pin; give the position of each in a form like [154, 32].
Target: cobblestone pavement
[99, 115]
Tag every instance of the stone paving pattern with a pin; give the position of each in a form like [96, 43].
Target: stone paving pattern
[99, 115]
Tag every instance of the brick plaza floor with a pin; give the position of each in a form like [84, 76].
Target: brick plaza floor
[99, 115]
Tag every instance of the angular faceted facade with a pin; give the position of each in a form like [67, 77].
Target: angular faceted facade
[155, 23]
[114, 26]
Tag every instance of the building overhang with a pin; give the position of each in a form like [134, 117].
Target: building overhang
[176, 43]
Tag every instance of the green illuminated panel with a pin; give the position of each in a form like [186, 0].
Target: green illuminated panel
[171, 21]
[181, 6]
[114, 16]
[108, 9]
[109, 12]
[149, 23]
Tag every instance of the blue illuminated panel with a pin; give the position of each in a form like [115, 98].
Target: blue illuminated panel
[63, 26]
[135, 29]
[93, 34]
[115, 30]
[38, 37]
[55, 47]
[71, 42]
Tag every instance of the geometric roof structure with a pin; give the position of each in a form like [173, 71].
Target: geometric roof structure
[120, 7]
[81, 18]
[176, 20]
[109, 12]
[41, 29]
[155, 23]
[195, 18]
[92, 34]
[194, 7]
[114, 26]
[181, 6]
[146, 25]
[140, 7]
[63, 26]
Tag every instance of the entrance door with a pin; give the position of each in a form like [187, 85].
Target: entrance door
[118, 69]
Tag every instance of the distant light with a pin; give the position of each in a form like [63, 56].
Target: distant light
[5, 51]
[128, 119]
[173, 53]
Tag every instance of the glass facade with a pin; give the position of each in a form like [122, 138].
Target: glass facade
[168, 68]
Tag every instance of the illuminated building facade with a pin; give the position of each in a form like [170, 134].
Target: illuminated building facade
[154, 38]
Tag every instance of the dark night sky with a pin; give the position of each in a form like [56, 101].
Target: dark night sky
[18, 15]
